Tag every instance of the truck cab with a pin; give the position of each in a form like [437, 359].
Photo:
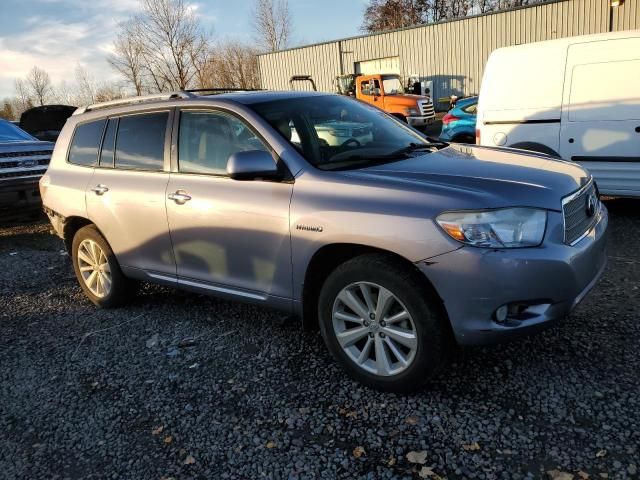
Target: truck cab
[387, 93]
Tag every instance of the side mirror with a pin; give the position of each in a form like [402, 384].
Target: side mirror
[252, 165]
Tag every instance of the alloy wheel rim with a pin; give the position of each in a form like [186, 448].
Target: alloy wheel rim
[94, 268]
[374, 329]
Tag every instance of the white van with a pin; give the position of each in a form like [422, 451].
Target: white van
[577, 98]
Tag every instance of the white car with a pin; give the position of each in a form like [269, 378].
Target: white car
[576, 98]
[337, 133]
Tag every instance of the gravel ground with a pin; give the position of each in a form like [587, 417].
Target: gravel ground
[184, 386]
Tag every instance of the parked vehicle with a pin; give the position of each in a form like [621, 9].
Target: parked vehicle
[575, 98]
[395, 247]
[45, 122]
[23, 160]
[387, 93]
[459, 124]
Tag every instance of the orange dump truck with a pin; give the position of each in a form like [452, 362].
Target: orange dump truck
[386, 92]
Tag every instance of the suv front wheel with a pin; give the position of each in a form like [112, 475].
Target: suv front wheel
[381, 323]
[97, 269]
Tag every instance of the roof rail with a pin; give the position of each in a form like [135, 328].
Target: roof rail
[222, 90]
[133, 100]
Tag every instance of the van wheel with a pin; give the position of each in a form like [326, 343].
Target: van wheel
[382, 325]
[97, 269]
[535, 147]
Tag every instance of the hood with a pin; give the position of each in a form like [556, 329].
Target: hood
[45, 122]
[404, 99]
[481, 177]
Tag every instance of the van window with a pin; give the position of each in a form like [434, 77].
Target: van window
[108, 144]
[140, 141]
[207, 140]
[605, 91]
[86, 142]
[366, 90]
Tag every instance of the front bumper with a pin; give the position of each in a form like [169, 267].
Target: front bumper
[549, 280]
[420, 121]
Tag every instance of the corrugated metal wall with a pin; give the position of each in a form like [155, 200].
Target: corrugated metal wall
[451, 54]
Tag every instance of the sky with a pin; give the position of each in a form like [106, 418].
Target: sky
[57, 35]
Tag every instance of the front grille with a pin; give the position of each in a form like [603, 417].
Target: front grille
[23, 173]
[578, 218]
[37, 153]
[426, 108]
[21, 163]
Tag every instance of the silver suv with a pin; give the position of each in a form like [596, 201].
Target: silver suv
[395, 246]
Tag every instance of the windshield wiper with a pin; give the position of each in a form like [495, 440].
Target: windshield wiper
[357, 161]
[414, 147]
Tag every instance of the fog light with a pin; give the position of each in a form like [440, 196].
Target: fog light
[501, 314]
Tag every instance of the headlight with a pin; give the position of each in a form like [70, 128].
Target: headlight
[503, 228]
[411, 111]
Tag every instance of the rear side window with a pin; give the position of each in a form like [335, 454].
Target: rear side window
[140, 141]
[86, 143]
[471, 108]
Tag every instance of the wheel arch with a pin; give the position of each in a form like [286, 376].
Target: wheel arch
[327, 258]
[71, 226]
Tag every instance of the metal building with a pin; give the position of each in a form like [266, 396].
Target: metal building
[450, 54]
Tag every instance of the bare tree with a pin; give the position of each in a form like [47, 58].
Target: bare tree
[23, 99]
[85, 87]
[127, 58]
[171, 37]
[391, 14]
[272, 24]
[7, 112]
[235, 65]
[158, 50]
[39, 83]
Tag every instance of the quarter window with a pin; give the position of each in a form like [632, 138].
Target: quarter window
[140, 141]
[208, 139]
[86, 142]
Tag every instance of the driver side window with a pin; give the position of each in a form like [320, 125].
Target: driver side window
[207, 139]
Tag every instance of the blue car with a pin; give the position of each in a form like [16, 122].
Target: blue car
[459, 124]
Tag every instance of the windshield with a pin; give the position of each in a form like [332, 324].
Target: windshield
[10, 133]
[337, 133]
[392, 85]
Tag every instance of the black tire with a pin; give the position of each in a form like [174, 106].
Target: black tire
[535, 147]
[122, 288]
[434, 339]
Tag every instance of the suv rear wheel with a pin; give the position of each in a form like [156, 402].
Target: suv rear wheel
[97, 269]
[379, 321]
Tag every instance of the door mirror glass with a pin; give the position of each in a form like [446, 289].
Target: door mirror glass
[252, 165]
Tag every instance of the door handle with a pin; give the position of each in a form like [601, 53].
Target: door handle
[179, 196]
[100, 189]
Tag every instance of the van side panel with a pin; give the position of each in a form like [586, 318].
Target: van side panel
[521, 97]
[601, 113]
